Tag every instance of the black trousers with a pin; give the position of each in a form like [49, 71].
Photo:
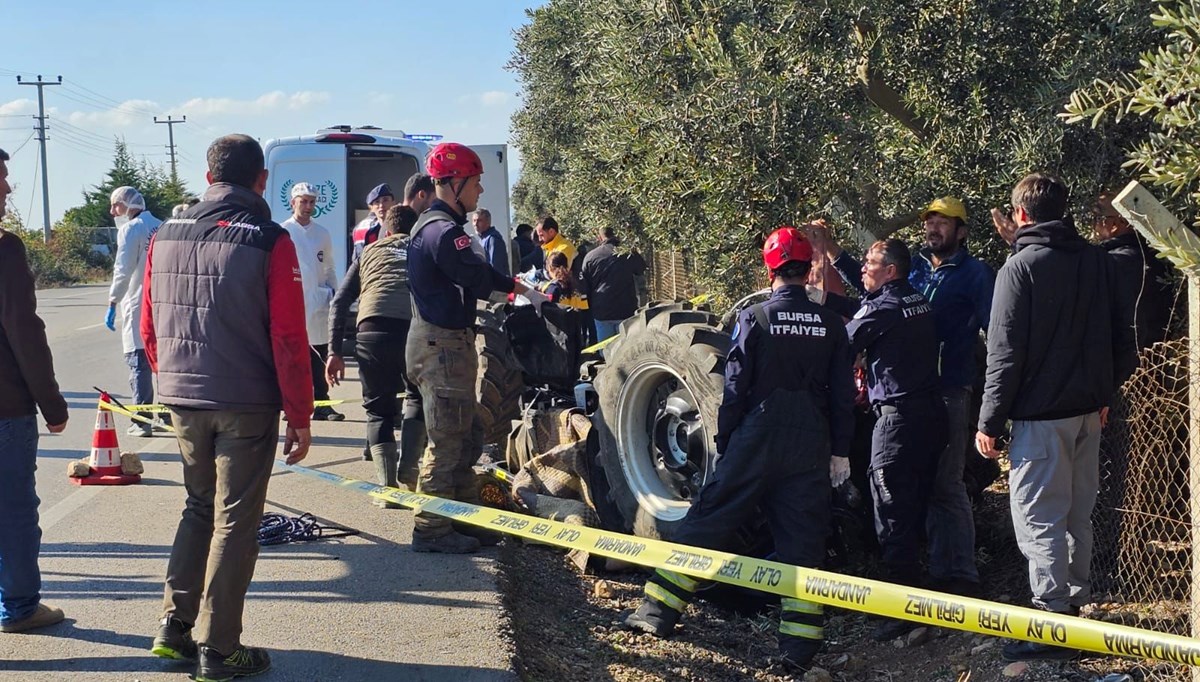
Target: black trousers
[382, 373]
[905, 446]
[317, 356]
[777, 460]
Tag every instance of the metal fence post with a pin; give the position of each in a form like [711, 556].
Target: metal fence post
[1181, 246]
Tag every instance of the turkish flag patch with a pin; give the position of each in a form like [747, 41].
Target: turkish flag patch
[463, 242]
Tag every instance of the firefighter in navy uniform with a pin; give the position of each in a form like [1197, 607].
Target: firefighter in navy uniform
[784, 430]
[446, 277]
[896, 331]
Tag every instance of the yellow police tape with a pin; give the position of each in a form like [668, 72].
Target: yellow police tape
[156, 408]
[833, 589]
[696, 300]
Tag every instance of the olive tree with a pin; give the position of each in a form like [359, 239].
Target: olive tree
[700, 125]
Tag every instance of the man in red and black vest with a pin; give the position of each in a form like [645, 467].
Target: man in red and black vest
[224, 328]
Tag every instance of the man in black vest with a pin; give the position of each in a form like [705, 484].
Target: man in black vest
[230, 352]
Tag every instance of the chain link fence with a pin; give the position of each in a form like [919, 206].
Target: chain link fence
[1141, 564]
[1143, 553]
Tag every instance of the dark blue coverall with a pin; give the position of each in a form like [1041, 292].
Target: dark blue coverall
[896, 331]
[788, 405]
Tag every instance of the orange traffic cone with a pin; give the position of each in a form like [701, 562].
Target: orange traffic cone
[105, 460]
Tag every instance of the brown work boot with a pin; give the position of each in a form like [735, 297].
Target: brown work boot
[40, 618]
[450, 543]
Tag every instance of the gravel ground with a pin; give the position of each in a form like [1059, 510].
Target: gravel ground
[566, 627]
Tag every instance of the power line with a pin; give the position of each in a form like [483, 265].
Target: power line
[33, 190]
[83, 150]
[171, 123]
[13, 153]
[67, 135]
[41, 85]
[76, 84]
[102, 138]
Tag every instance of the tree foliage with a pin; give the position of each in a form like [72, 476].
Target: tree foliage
[1163, 91]
[161, 191]
[700, 125]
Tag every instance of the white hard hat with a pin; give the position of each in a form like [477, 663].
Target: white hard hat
[129, 196]
[304, 189]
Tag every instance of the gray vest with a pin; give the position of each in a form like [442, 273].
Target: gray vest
[383, 280]
[208, 287]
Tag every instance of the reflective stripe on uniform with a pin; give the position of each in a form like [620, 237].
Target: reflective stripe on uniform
[801, 630]
[801, 606]
[661, 595]
[683, 582]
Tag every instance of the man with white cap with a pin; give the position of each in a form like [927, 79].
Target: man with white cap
[314, 251]
[135, 226]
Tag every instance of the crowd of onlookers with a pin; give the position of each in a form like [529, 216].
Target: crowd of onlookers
[240, 319]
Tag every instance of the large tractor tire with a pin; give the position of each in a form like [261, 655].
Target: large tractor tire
[658, 392]
[499, 384]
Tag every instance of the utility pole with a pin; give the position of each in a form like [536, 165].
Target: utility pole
[41, 136]
[171, 137]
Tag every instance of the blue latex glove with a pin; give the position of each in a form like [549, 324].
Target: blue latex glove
[110, 319]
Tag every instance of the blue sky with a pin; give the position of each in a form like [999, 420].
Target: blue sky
[269, 69]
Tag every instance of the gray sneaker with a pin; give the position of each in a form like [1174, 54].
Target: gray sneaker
[140, 430]
[450, 543]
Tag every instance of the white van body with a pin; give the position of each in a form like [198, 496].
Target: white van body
[345, 163]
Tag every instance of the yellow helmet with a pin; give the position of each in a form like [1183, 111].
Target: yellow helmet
[951, 207]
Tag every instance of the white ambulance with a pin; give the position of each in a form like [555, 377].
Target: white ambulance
[344, 163]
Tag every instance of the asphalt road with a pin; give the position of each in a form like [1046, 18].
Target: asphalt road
[358, 608]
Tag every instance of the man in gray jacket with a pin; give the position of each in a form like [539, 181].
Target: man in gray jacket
[1057, 351]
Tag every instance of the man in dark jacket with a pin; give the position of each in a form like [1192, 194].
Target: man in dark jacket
[1145, 288]
[529, 252]
[1057, 351]
[224, 328]
[959, 287]
[26, 385]
[895, 329]
[787, 382]
[609, 277]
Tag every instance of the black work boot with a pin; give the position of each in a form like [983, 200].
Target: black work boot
[1036, 651]
[385, 457]
[450, 543]
[890, 628]
[654, 618]
[326, 413]
[486, 538]
[174, 640]
[413, 440]
[796, 654]
[245, 661]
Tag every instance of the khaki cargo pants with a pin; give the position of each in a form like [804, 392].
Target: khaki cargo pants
[227, 461]
[443, 364]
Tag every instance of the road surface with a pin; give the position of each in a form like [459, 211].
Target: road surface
[359, 608]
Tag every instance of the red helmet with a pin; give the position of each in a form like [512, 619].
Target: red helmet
[453, 160]
[784, 245]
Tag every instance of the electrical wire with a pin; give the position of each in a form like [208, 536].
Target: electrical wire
[78, 141]
[280, 529]
[13, 153]
[87, 133]
[36, 163]
[75, 85]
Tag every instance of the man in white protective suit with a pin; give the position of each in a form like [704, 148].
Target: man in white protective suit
[135, 227]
